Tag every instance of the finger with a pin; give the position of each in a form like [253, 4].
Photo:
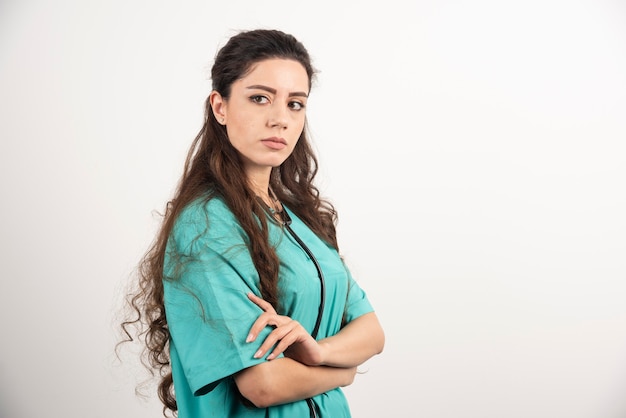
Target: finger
[297, 334]
[282, 332]
[281, 338]
[261, 303]
[283, 345]
[260, 323]
[271, 339]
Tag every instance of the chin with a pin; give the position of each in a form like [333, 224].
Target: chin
[276, 162]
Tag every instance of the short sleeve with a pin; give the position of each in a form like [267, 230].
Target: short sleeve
[208, 276]
[357, 302]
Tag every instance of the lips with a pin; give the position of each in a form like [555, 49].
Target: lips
[274, 143]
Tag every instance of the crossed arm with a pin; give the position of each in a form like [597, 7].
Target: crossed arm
[308, 367]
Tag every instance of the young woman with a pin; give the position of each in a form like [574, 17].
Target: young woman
[248, 309]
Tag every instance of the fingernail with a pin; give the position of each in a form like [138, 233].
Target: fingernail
[257, 354]
[249, 338]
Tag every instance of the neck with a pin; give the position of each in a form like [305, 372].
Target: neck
[260, 185]
[259, 179]
[270, 200]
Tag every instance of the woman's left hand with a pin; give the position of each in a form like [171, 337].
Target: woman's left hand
[288, 337]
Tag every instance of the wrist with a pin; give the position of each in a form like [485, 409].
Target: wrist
[325, 349]
[350, 373]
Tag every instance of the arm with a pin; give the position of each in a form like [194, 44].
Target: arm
[355, 343]
[286, 380]
[309, 367]
[359, 340]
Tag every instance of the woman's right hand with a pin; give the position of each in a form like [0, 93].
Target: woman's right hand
[289, 336]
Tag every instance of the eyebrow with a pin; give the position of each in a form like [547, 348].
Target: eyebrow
[273, 91]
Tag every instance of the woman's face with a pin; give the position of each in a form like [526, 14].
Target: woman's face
[265, 113]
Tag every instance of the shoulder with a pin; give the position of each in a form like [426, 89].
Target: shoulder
[203, 209]
[206, 217]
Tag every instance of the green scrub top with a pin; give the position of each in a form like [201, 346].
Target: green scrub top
[208, 274]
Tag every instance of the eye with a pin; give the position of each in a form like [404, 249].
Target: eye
[296, 105]
[259, 99]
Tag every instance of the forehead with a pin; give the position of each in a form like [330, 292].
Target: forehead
[277, 73]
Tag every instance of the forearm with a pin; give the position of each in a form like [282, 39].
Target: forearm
[286, 380]
[359, 340]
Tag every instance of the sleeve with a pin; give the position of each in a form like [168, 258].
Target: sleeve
[208, 275]
[357, 303]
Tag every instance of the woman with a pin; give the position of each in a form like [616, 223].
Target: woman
[249, 309]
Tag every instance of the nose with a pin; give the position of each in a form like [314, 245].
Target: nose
[278, 117]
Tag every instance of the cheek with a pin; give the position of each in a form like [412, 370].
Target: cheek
[239, 129]
[298, 127]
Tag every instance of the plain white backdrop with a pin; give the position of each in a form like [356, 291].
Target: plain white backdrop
[475, 151]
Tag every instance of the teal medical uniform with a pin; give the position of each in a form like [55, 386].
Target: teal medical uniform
[209, 273]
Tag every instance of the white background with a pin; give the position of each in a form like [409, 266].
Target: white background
[474, 149]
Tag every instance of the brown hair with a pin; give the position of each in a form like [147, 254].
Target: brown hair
[214, 166]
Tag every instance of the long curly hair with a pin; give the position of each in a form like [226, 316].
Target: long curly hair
[214, 165]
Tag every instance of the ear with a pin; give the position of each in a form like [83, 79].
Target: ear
[218, 106]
